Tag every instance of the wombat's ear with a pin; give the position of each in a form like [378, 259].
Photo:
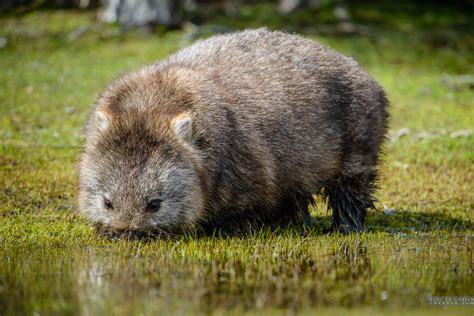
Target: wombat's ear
[102, 119]
[183, 126]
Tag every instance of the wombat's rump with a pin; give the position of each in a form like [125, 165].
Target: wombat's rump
[234, 131]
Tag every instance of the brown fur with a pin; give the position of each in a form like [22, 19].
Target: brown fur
[235, 131]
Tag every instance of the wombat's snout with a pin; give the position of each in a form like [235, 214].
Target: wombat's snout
[127, 224]
[125, 221]
[131, 220]
[133, 234]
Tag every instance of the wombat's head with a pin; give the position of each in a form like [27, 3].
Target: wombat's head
[139, 172]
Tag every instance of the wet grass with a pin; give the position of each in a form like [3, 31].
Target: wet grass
[421, 245]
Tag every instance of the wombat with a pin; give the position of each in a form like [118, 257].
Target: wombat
[236, 131]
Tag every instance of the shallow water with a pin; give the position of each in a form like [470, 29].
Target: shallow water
[237, 274]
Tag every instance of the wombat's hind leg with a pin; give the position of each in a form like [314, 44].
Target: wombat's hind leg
[349, 198]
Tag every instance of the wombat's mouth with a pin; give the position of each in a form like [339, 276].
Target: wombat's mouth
[145, 234]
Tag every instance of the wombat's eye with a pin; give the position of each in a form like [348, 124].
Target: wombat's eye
[107, 204]
[153, 205]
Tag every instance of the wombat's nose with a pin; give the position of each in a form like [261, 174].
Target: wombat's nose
[126, 221]
[133, 221]
[133, 226]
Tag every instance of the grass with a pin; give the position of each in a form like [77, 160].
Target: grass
[52, 262]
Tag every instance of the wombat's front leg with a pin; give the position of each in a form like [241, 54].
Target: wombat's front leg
[301, 209]
[349, 199]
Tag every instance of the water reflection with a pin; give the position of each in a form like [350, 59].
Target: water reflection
[284, 272]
